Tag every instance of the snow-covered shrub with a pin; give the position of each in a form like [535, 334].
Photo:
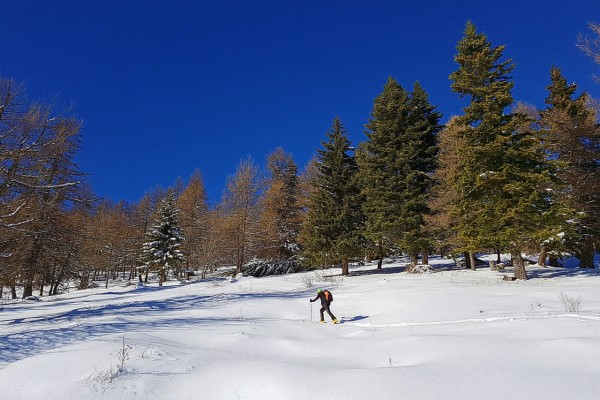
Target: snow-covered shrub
[332, 279]
[420, 269]
[307, 281]
[258, 268]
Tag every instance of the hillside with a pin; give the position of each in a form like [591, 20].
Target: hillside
[449, 334]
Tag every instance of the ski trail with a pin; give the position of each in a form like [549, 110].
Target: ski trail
[472, 321]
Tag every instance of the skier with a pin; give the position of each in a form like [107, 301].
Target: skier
[326, 299]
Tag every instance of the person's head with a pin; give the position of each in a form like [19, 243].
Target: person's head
[319, 290]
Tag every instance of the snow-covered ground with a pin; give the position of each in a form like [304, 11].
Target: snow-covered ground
[450, 334]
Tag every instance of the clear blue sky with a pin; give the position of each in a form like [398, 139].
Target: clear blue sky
[165, 87]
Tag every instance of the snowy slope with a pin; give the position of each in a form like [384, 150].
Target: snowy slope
[451, 334]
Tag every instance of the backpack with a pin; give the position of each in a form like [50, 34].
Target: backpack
[328, 296]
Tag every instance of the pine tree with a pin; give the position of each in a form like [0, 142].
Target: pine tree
[396, 163]
[163, 250]
[332, 230]
[573, 138]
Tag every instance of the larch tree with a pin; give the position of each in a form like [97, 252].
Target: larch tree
[590, 44]
[194, 210]
[332, 231]
[38, 176]
[281, 210]
[241, 208]
[445, 199]
[163, 248]
[572, 136]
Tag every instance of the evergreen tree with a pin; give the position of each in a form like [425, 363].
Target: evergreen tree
[332, 230]
[573, 138]
[483, 78]
[396, 163]
[503, 174]
[163, 250]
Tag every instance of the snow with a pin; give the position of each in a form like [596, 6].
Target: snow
[448, 334]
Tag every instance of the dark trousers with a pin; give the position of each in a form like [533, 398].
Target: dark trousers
[326, 308]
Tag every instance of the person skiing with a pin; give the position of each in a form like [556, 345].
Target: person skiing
[326, 299]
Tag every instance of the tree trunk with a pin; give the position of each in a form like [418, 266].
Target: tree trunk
[13, 291]
[425, 257]
[542, 258]
[498, 259]
[380, 249]
[519, 265]
[83, 283]
[414, 259]
[553, 261]
[472, 261]
[345, 269]
[28, 288]
[467, 260]
[586, 257]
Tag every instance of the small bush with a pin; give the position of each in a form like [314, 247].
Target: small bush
[571, 304]
[259, 268]
[307, 281]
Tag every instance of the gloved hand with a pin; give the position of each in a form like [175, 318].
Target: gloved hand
[311, 300]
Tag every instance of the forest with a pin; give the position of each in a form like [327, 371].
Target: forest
[502, 177]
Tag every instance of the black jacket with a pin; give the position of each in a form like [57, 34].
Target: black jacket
[324, 301]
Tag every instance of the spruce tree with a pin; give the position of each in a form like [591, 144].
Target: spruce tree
[396, 163]
[503, 172]
[163, 249]
[332, 230]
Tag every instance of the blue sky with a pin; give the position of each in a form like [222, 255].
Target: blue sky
[165, 87]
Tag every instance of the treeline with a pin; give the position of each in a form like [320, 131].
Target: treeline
[500, 177]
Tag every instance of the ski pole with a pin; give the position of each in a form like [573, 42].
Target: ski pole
[311, 312]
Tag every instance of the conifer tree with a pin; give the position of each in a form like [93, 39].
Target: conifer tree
[281, 206]
[332, 229]
[194, 215]
[163, 250]
[484, 79]
[241, 208]
[443, 220]
[504, 172]
[573, 138]
[396, 163]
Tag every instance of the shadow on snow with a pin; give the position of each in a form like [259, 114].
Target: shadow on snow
[78, 325]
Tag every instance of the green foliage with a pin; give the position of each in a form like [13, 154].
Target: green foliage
[332, 229]
[503, 176]
[396, 163]
[162, 250]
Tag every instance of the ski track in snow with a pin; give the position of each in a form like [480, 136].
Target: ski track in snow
[472, 321]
